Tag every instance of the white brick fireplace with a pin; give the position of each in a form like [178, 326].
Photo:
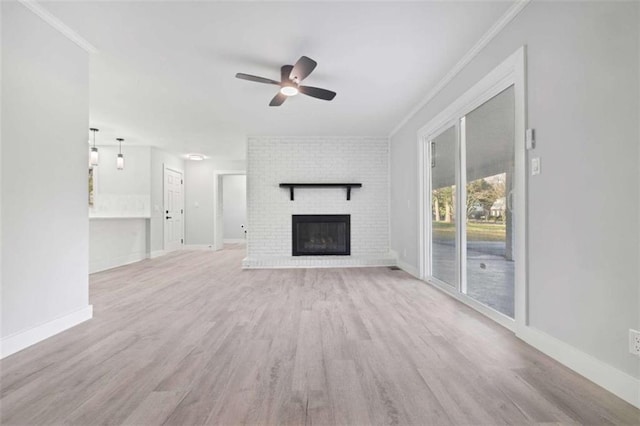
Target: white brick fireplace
[275, 160]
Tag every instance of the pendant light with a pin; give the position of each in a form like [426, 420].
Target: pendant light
[120, 158]
[93, 158]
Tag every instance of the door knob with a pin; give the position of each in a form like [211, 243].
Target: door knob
[168, 217]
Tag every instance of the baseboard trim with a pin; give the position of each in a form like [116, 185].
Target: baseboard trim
[157, 253]
[198, 247]
[316, 262]
[234, 241]
[100, 266]
[619, 383]
[610, 378]
[21, 340]
[409, 269]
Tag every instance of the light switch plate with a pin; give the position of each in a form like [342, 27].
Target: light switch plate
[530, 139]
[535, 166]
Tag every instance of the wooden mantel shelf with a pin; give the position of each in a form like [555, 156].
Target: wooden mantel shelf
[348, 186]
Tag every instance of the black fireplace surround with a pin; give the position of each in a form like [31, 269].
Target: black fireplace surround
[321, 235]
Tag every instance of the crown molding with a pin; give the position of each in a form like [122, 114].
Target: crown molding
[36, 8]
[495, 29]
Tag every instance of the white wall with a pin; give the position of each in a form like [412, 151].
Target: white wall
[199, 198]
[583, 212]
[160, 159]
[272, 161]
[117, 242]
[234, 206]
[45, 120]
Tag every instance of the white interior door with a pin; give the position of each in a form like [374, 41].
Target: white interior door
[173, 209]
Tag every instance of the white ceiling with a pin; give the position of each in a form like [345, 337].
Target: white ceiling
[164, 71]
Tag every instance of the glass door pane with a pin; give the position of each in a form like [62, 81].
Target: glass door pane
[444, 264]
[488, 133]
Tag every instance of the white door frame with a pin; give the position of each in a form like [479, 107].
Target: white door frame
[508, 73]
[164, 204]
[218, 224]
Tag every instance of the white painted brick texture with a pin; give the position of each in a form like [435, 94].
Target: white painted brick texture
[271, 161]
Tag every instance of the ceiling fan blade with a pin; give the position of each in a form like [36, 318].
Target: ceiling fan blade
[256, 79]
[285, 73]
[302, 68]
[316, 92]
[278, 99]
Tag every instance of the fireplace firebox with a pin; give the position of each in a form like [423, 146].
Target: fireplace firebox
[321, 235]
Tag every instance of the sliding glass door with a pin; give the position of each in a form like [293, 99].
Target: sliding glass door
[488, 141]
[471, 184]
[444, 232]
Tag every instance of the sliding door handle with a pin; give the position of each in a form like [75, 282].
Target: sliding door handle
[510, 201]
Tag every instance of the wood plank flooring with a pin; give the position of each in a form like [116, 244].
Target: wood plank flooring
[190, 338]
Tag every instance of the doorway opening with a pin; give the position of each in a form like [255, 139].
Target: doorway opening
[230, 208]
[234, 209]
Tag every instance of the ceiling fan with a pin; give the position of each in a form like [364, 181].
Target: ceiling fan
[290, 78]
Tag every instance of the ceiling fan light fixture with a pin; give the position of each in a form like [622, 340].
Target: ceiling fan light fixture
[291, 76]
[289, 90]
[196, 157]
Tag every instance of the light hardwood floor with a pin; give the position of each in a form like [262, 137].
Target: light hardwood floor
[190, 338]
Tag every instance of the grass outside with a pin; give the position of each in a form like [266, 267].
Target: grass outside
[476, 231]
